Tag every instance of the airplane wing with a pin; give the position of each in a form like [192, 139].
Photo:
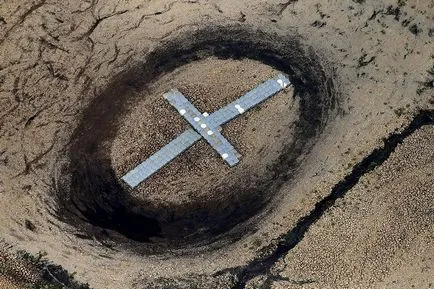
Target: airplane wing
[166, 154]
[207, 129]
[252, 98]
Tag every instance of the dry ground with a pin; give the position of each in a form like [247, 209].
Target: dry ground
[57, 57]
[192, 178]
[381, 234]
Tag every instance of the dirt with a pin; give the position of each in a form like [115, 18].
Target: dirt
[90, 191]
[380, 235]
[192, 178]
[78, 78]
[6, 284]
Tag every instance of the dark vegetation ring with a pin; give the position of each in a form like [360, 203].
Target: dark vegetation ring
[92, 198]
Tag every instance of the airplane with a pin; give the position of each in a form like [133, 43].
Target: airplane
[204, 126]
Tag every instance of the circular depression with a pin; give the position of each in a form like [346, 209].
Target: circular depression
[92, 197]
[198, 180]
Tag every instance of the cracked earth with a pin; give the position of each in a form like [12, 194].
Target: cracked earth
[343, 191]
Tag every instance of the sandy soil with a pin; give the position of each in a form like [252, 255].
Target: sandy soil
[195, 176]
[380, 235]
[365, 64]
[6, 284]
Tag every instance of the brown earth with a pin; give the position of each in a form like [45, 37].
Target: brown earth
[368, 65]
[193, 178]
[380, 235]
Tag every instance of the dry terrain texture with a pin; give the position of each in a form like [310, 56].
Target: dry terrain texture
[381, 234]
[324, 197]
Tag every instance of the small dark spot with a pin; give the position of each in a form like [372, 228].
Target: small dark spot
[415, 29]
[399, 111]
[318, 24]
[105, 256]
[395, 11]
[2, 20]
[29, 225]
[374, 14]
[30, 120]
[363, 61]
[27, 188]
[83, 236]
[242, 17]
[406, 22]
[219, 10]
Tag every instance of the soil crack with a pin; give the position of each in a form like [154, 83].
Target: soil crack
[262, 265]
[22, 18]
